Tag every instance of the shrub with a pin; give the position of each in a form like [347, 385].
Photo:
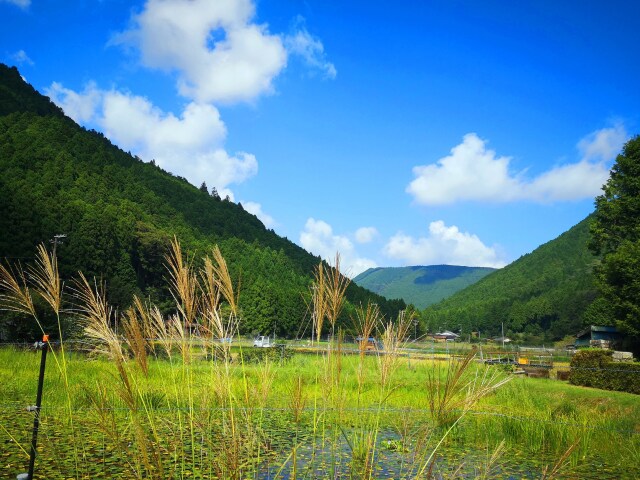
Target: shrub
[277, 353]
[595, 368]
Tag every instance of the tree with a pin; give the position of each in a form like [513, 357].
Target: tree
[204, 188]
[615, 234]
[214, 193]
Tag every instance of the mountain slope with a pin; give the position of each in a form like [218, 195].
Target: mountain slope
[543, 294]
[420, 285]
[119, 215]
[16, 95]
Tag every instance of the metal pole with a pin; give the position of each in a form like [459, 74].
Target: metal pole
[36, 419]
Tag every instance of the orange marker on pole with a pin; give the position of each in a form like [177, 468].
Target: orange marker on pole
[36, 409]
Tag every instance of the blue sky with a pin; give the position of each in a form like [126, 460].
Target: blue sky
[416, 132]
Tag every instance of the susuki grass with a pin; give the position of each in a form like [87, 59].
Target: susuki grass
[102, 416]
[167, 398]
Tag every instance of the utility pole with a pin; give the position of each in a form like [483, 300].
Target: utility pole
[58, 238]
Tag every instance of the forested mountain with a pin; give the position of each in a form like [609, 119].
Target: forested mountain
[420, 285]
[544, 295]
[120, 213]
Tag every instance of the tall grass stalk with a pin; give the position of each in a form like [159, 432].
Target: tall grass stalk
[15, 295]
[394, 338]
[206, 304]
[136, 335]
[487, 470]
[47, 283]
[367, 321]
[319, 299]
[168, 414]
[336, 285]
[453, 393]
[550, 472]
[328, 291]
[97, 316]
[393, 335]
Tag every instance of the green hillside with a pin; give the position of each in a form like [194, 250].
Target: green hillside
[420, 285]
[120, 213]
[544, 295]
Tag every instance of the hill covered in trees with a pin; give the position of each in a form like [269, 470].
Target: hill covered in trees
[119, 215]
[543, 295]
[420, 285]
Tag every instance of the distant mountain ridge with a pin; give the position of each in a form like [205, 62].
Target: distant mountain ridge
[420, 285]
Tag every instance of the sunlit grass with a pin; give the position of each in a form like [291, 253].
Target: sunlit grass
[539, 418]
[156, 401]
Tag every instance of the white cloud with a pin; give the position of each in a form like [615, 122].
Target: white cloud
[443, 245]
[568, 182]
[603, 145]
[472, 172]
[318, 238]
[190, 145]
[135, 123]
[21, 58]
[218, 53]
[79, 106]
[256, 209]
[355, 266]
[310, 48]
[19, 3]
[366, 234]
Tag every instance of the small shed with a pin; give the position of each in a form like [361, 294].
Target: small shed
[599, 337]
[368, 343]
[445, 336]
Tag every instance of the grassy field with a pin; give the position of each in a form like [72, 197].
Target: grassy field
[272, 420]
[149, 400]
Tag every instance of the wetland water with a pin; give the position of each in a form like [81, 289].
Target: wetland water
[332, 454]
[395, 459]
